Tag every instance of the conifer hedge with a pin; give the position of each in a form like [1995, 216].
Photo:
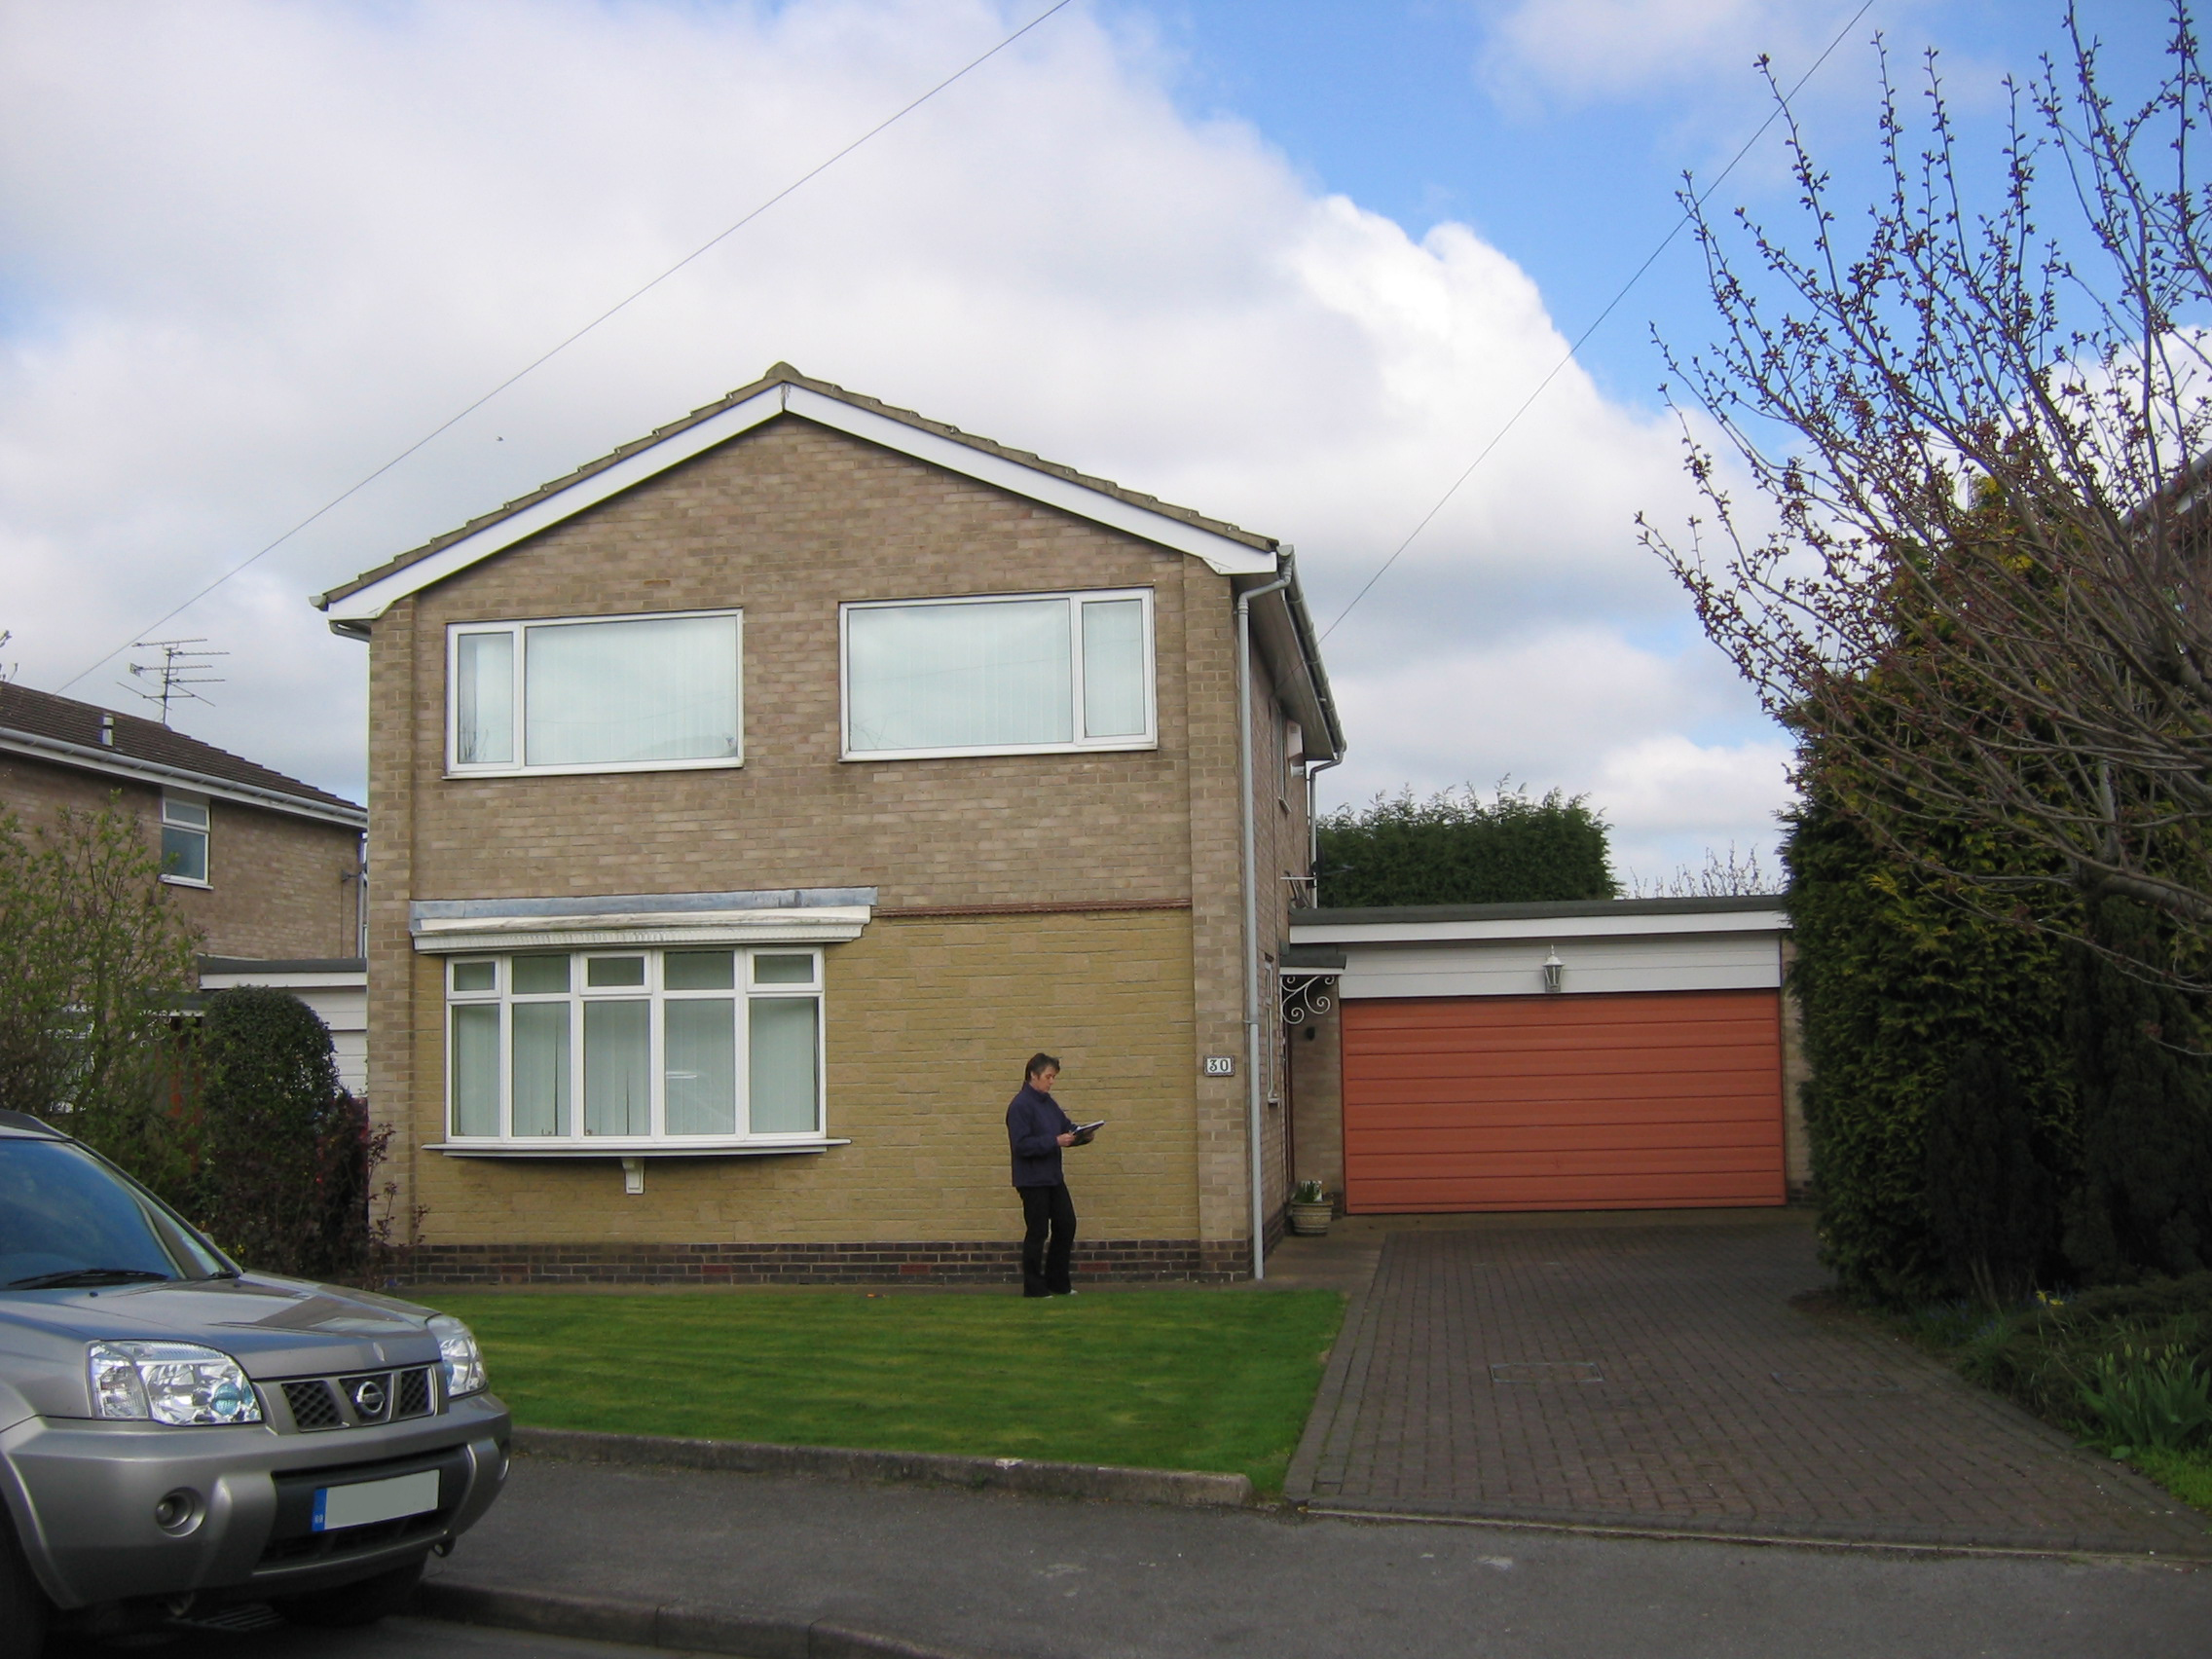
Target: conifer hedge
[1455, 848]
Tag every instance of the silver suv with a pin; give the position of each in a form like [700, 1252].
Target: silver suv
[177, 1434]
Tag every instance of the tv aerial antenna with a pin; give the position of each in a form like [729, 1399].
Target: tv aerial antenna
[176, 675]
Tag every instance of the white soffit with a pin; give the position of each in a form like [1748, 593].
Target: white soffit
[1223, 555]
[1541, 927]
[825, 924]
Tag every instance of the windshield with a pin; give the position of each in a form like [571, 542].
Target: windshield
[68, 1218]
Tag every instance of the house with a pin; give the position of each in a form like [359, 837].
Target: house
[260, 864]
[1636, 1053]
[749, 804]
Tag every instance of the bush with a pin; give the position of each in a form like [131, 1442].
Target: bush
[1457, 849]
[282, 1157]
[1991, 1210]
[1897, 987]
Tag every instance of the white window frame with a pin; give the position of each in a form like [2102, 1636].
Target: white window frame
[654, 992]
[518, 767]
[1081, 744]
[204, 830]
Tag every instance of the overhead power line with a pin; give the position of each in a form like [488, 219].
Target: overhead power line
[550, 355]
[1637, 276]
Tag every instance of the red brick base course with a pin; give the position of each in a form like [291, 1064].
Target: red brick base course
[1121, 1259]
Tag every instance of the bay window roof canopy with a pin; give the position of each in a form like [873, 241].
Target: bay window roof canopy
[1285, 630]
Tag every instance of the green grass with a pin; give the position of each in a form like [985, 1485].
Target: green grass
[1170, 1379]
[2188, 1474]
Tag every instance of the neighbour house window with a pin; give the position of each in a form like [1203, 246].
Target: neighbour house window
[999, 675]
[595, 695]
[184, 838]
[633, 1045]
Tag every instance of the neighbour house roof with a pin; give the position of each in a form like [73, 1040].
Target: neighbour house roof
[1286, 631]
[84, 735]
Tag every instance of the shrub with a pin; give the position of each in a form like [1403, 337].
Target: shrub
[2046, 1355]
[1458, 849]
[1991, 1210]
[2149, 1402]
[282, 1155]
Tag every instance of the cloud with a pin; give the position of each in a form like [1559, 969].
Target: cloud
[1582, 51]
[250, 252]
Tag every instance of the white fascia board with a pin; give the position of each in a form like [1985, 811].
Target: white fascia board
[115, 766]
[226, 978]
[825, 924]
[1228, 557]
[373, 601]
[1774, 921]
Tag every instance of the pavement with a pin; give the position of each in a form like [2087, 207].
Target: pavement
[1654, 1373]
[982, 1573]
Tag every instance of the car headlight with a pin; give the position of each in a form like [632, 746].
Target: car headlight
[463, 1360]
[174, 1382]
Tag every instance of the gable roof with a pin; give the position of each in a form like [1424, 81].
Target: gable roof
[1284, 629]
[68, 733]
[782, 391]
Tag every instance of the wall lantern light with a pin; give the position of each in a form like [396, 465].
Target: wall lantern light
[1554, 970]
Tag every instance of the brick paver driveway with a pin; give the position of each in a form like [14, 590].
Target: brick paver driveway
[1653, 1373]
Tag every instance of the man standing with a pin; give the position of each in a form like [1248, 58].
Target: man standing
[1037, 1130]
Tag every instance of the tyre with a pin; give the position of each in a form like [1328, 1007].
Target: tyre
[365, 1602]
[23, 1605]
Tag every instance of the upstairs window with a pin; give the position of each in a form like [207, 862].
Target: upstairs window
[993, 674]
[595, 695]
[184, 838]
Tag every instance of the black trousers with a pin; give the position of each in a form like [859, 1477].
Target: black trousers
[1045, 1266]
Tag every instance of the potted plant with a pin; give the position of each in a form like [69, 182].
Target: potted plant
[1310, 1211]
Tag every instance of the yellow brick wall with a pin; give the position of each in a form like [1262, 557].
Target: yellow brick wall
[928, 1022]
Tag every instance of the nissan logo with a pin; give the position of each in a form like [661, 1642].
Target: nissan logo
[368, 1398]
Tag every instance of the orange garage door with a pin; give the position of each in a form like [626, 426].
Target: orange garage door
[1646, 1101]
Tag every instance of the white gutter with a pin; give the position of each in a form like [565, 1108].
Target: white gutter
[199, 783]
[1253, 1105]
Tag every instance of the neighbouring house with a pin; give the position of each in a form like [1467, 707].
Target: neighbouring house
[260, 864]
[1636, 1053]
[748, 806]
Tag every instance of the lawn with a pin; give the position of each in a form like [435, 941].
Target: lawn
[1169, 1379]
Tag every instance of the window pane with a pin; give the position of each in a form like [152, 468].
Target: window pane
[484, 700]
[783, 1083]
[476, 1069]
[538, 976]
[783, 970]
[664, 688]
[184, 852]
[475, 976]
[615, 1097]
[615, 971]
[700, 971]
[192, 814]
[702, 1066]
[541, 1063]
[1112, 668]
[959, 675]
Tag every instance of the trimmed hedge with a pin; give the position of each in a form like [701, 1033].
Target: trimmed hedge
[1458, 849]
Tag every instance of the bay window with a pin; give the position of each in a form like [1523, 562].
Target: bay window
[999, 675]
[565, 1050]
[595, 695]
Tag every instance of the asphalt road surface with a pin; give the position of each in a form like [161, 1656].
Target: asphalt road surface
[394, 1638]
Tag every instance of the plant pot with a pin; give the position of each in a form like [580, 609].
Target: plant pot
[1311, 1220]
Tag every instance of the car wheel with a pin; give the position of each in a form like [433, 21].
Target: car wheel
[358, 1604]
[23, 1605]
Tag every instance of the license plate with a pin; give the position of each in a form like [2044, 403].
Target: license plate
[371, 1501]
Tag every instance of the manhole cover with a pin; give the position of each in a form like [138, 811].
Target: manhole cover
[1837, 1383]
[1546, 1371]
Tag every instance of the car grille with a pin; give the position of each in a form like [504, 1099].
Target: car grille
[361, 1400]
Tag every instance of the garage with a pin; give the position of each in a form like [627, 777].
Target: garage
[1589, 1054]
[1653, 1101]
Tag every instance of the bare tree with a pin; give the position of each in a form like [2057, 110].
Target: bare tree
[1984, 598]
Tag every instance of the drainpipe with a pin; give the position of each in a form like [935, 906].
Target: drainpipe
[1314, 824]
[1254, 1106]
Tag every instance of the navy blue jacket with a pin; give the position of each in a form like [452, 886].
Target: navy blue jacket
[1034, 1125]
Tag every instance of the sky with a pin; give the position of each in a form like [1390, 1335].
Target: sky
[1294, 264]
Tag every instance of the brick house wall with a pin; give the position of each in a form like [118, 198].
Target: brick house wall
[1088, 904]
[279, 885]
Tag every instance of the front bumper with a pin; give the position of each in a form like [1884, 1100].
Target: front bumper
[83, 1495]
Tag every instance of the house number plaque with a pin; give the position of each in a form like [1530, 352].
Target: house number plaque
[1221, 1065]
